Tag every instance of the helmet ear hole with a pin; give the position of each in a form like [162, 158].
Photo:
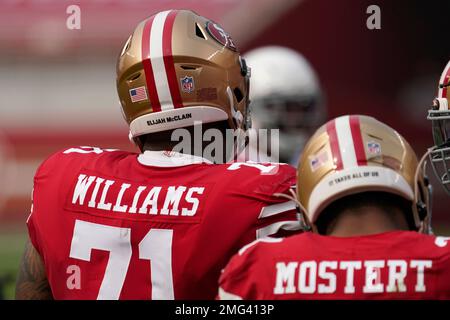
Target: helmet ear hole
[134, 76]
[238, 94]
[186, 67]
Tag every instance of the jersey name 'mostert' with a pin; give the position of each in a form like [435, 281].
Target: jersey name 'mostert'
[140, 199]
[312, 277]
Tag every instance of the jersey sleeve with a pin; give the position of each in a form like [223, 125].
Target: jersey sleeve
[278, 216]
[43, 170]
[32, 232]
[441, 246]
[234, 283]
[56, 164]
[245, 274]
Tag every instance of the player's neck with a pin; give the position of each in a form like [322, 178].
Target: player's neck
[366, 221]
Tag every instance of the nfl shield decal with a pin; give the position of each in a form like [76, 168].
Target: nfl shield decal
[374, 148]
[187, 84]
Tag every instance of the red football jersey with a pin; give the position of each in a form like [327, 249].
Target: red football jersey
[160, 225]
[391, 265]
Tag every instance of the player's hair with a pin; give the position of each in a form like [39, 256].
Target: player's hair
[387, 202]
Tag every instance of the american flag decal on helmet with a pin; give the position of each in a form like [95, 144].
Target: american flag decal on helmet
[138, 94]
[318, 160]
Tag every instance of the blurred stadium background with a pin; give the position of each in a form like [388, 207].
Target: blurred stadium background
[57, 86]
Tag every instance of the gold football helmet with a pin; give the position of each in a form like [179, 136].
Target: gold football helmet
[439, 114]
[178, 68]
[353, 154]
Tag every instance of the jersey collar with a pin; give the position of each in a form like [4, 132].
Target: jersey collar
[169, 159]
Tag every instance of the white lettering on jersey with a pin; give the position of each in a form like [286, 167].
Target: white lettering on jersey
[373, 284]
[133, 208]
[98, 182]
[397, 275]
[81, 188]
[101, 194]
[421, 265]
[326, 275]
[118, 207]
[102, 205]
[285, 278]
[194, 201]
[307, 277]
[151, 199]
[173, 198]
[350, 266]
[311, 273]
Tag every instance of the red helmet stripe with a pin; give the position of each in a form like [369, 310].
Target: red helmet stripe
[168, 60]
[334, 143]
[150, 80]
[358, 141]
[445, 79]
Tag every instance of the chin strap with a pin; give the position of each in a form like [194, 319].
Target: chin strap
[306, 224]
[423, 207]
[130, 137]
[135, 141]
[240, 122]
[236, 114]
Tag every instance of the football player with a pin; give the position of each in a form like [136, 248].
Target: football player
[107, 224]
[285, 94]
[366, 198]
[440, 118]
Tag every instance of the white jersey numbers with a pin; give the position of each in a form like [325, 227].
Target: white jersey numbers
[441, 241]
[156, 246]
[85, 150]
[264, 168]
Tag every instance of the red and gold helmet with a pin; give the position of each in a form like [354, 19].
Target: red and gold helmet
[353, 154]
[439, 114]
[178, 67]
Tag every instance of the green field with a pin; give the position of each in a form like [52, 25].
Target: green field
[11, 247]
[12, 243]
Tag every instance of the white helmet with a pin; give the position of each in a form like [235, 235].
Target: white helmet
[285, 94]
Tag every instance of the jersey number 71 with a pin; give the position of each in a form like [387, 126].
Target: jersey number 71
[156, 246]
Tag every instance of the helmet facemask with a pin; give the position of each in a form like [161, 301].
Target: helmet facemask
[439, 114]
[440, 154]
